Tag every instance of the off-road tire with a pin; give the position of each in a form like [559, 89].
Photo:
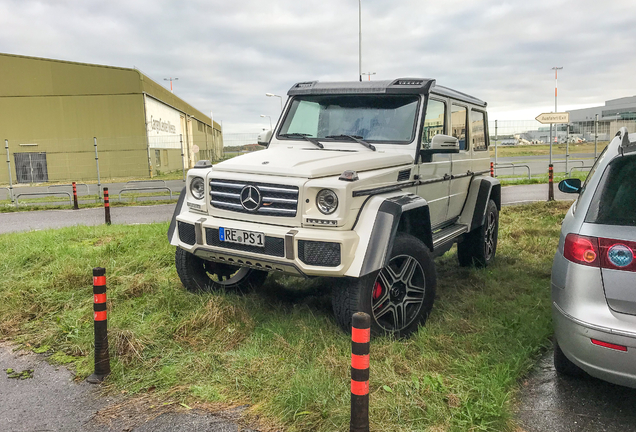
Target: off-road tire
[564, 365]
[418, 292]
[196, 274]
[479, 246]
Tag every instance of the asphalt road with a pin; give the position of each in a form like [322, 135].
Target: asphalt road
[539, 164]
[51, 401]
[549, 403]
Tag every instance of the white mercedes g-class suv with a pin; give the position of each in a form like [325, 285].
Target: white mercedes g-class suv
[364, 181]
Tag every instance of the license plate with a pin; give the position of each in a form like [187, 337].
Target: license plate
[249, 238]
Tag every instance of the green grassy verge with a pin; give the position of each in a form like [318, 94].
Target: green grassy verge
[509, 180]
[61, 202]
[538, 150]
[279, 349]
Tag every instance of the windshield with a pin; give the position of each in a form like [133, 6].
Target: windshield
[376, 118]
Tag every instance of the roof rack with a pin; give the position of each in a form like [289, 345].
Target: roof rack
[626, 146]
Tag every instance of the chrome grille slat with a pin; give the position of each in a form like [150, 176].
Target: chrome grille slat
[226, 194]
[276, 200]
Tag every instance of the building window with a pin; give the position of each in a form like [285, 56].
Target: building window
[158, 158]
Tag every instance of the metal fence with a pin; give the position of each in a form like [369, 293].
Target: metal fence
[64, 160]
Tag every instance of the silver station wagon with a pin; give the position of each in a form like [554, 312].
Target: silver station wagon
[594, 270]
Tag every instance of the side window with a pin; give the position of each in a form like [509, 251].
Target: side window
[458, 125]
[478, 135]
[434, 122]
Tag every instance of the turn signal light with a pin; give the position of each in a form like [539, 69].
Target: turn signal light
[581, 249]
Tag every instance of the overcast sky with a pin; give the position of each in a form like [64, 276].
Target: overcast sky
[228, 54]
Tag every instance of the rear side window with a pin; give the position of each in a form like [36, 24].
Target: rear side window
[614, 202]
[478, 131]
[458, 125]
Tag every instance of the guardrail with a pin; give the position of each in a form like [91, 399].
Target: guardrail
[70, 199]
[9, 193]
[581, 168]
[145, 188]
[88, 191]
[144, 181]
[513, 166]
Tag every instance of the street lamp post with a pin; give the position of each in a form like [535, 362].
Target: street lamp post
[280, 97]
[270, 121]
[170, 79]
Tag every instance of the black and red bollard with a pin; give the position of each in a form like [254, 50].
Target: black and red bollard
[100, 315]
[106, 206]
[75, 203]
[492, 169]
[550, 182]
[360, 344]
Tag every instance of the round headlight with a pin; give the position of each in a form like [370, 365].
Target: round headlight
[327, 201]
[197, 188]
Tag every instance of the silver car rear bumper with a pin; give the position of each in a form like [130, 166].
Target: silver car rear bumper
[575, 339]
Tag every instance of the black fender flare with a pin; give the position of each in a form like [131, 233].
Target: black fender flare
[177, 211]
[489, 188]
[407, 213]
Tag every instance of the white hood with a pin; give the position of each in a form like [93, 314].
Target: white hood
[310, 163]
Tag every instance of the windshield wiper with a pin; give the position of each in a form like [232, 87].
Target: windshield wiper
[356, 138]
[304, 136]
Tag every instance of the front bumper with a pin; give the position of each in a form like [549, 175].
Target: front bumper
[298, 251]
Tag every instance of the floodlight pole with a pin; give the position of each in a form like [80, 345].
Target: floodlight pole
[556, 129]
[360, 39]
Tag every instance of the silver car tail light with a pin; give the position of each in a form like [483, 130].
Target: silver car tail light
[600, 252]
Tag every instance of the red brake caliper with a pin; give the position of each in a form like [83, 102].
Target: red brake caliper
[377, 291]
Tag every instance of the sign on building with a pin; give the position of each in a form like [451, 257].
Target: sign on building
[163, 125]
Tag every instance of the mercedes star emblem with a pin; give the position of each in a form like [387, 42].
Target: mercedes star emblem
[250, 198]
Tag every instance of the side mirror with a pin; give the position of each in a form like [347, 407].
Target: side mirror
[264, 138]
[443, 144]
[570, 185]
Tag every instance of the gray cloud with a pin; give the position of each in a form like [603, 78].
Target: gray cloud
[227, 55]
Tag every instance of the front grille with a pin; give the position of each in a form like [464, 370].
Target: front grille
[274, 246]
[186, 233]
[276, 200]
[319, 253]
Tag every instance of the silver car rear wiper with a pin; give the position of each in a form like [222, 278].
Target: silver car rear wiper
[304, 136]
[356, 138]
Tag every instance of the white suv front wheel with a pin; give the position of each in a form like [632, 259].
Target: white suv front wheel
[398, 298]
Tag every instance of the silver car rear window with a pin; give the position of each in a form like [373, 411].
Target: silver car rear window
[614, 202]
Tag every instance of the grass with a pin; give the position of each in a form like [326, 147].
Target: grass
[509, 180]
[61, 202]
[539, 150]
[279, 349]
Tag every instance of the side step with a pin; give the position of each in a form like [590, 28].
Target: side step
[448, 234]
